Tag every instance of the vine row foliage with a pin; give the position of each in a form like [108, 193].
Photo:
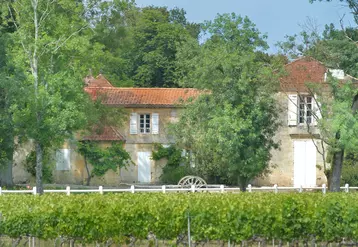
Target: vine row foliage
[235, 217]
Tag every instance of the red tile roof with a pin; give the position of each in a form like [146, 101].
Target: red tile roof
[108, 133]
[302, 71]
[99, 81]
[142, 97]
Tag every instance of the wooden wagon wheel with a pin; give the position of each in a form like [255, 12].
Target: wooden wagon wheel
[188, 181]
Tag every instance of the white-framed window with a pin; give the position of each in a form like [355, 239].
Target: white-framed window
[305, 107]
[144, 123]
[302, 109]
[63, 161]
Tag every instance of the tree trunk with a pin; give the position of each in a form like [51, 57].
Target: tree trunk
[6, 167]
[88, 172]
[243, 184]
[335, 181]
[39, 165]
[6, 174]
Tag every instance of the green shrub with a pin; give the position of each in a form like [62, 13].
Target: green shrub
[350, 170]
[177, 165]
[91, 218]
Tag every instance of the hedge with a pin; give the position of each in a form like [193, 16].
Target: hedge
[237, 217]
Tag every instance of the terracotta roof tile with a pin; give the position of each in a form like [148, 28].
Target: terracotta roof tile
[107, 134]
[99, 81]
[143, 97]
[300, 72]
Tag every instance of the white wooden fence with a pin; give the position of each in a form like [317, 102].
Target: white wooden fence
[178, 188]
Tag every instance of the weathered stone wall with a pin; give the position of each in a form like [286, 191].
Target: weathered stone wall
[282, 161]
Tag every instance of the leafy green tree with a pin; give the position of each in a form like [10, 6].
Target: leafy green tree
[141, 43]
[156, 41]
[230, 127]
[50, 46]
[103, 159]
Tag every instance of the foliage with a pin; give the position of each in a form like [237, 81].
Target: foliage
[350, 170]
[51, 48]
[30, 166]
[235, 217]
[103, 159]
[177, 165]
[230, 127]
[141, 43]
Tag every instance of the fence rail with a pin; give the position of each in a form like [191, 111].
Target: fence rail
[177, 188]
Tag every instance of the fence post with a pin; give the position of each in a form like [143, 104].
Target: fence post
[324, 188]
[163, 188]
[346, 188]
[222, 188]
[192, 188]
[189, 233]
[275, 188]
[34, 190]
[300, 189]
[132, 188]
[68, 190]
[0, 191]
[249, 188]
[100, 188]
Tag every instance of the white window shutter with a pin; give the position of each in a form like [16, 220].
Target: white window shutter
[292, 109]
[63, 161]
[133, 128]
[155, 123]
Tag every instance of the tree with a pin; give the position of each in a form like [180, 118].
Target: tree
[229, 128]
[49, 47]
[103, 159]
[141, 43]
[10, 93]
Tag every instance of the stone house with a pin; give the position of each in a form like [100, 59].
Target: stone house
[299, 161]
[150, 110]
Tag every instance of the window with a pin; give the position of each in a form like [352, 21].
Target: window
[144, 123]
[63, 162]
[305, 107]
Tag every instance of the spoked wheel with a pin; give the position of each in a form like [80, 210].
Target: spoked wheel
[188, 181]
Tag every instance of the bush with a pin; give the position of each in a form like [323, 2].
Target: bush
[177, 165]
[91, 218]
[350, 170]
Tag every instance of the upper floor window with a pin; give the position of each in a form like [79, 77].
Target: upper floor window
[144, 123]
[302, 109]
[305, 108]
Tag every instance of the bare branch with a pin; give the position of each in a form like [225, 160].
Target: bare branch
[69, 37]
[344, 30]
[46, 12]
[27, 51]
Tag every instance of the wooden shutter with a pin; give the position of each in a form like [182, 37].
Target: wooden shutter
[155, 123]
[133, 129]
[63, 162]
[292, 109]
